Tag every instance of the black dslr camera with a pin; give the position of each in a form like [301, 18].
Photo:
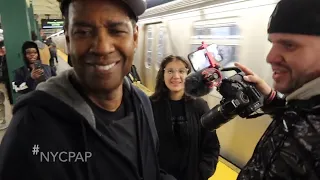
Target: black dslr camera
[239, 97]
[243, 96]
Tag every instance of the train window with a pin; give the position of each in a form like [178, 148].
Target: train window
[228, 54]
[215, 31]
[149, 48]
[225, 31]
[161, 46]
[150, 43]
[195, 47]
[149, 59]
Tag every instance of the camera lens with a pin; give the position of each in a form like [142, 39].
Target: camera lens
[243, 97]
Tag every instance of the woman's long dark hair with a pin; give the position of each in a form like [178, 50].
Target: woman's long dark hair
[161, 90]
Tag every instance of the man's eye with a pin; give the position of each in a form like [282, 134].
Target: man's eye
[117, 31]
[289, 46]
[82, 33]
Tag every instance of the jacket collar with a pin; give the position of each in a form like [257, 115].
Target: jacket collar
[307, 91]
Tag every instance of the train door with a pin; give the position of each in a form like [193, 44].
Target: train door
[154, 53]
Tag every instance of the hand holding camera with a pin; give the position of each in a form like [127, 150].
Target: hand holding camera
[260, 84]
[242, 94]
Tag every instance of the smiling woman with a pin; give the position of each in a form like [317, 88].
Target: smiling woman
[187, 151]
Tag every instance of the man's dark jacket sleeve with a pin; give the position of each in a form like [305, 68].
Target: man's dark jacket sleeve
[16, 158]
[303, 123]
[20, 76]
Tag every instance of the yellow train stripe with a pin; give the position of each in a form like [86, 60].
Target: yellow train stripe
[62, 55]
[223, 172]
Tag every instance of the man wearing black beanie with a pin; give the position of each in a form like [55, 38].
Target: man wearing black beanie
[290, 147]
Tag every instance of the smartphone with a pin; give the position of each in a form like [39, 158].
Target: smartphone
[37, 64]
[199, 60]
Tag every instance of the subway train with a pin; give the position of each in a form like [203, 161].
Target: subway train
[238, 27]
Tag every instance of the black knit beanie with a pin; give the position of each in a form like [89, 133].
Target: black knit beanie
[296, 17]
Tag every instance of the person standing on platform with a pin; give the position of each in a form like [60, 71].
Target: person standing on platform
[27, 77]
[187, 151]
[53, 55]
[96, 123]
[4, 74]
[4, 79]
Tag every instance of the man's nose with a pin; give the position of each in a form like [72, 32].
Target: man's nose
[274, 55]
[103, 43]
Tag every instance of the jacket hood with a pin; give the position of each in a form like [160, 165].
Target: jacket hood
[61, 88]
[27, 45]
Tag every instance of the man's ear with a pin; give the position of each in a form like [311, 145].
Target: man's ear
[136, 36]
[66, 34]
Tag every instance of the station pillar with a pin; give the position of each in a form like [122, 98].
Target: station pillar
[32, 21]
[16, 30]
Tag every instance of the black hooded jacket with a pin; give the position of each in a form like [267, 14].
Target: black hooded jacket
[58, 119]
[200, 147]
[23, 74]
[290, 147]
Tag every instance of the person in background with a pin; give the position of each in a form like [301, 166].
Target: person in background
[4, 79]
[133, 75]
[187, 151]
[48, 41]
[53, 55]
[4, 74]
[29, 73]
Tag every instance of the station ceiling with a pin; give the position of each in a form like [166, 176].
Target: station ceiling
[46, 7]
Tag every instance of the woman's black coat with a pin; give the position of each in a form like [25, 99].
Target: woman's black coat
[204, 146]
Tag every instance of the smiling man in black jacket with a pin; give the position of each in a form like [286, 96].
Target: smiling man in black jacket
[289, 149]
[88, 123]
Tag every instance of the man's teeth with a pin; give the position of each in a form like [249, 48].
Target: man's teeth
[277, 72]
[106, 67]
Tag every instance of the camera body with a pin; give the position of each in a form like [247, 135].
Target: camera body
[239, 97]
[243, 97]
